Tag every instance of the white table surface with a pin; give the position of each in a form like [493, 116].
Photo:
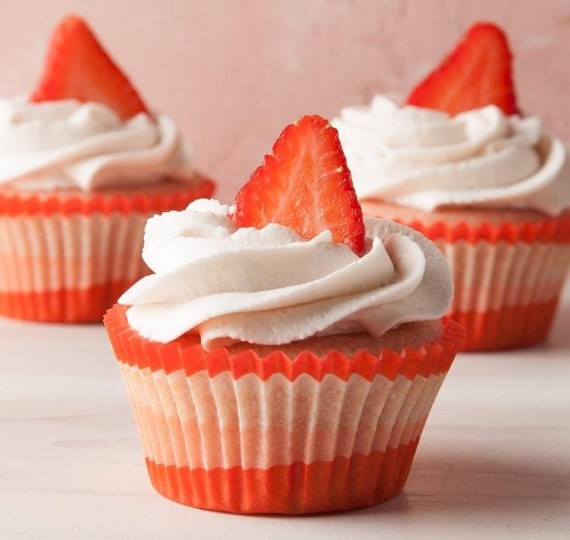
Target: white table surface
[494, 460]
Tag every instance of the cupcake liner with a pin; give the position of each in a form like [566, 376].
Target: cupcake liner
[547, 230]
[69, 306]
[506, 295]
[508, 278]
[507, 328]
[68, 259]
[153, 201]
[250, 434]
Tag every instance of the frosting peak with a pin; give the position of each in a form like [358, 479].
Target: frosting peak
[67, 144]
[426, 159]
[270, 287]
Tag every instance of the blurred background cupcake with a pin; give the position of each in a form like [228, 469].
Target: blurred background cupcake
[83, 164]
[457, 161]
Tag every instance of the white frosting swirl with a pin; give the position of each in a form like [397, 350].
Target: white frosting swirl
[425, 159]
[270, 287]
[70, 145]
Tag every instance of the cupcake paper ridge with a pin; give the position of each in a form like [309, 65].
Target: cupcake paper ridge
[187, 354]
[551, 230]
[20, 203]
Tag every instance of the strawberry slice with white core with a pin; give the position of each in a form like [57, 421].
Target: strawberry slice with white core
[304, 185]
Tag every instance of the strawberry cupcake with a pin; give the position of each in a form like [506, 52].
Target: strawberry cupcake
[285, 354]
[459, 163]
[83, 164]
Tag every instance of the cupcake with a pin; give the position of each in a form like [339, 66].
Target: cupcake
[83, 164]
[285, 354]
[458, 162]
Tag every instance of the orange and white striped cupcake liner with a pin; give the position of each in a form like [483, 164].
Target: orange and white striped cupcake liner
[67, 258]
[273, 434]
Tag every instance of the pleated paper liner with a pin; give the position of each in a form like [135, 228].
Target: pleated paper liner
[508, 276]
[546, 229]
[339, 485]
[554, 230]
[272, 434]
[67, 257]
[64, 305]
[153, 198]
[507, 328]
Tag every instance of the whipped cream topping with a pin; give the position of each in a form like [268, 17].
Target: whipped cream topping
[426, 159]
[270, 287]
[71, 145]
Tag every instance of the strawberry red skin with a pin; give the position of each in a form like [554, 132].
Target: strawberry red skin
[478, 72]
[77, 67]
[304, 185]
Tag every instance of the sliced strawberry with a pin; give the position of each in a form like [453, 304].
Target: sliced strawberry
[304, 185]
[475, 74]
[77, 67]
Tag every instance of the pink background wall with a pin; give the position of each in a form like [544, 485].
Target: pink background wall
[234, 72]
